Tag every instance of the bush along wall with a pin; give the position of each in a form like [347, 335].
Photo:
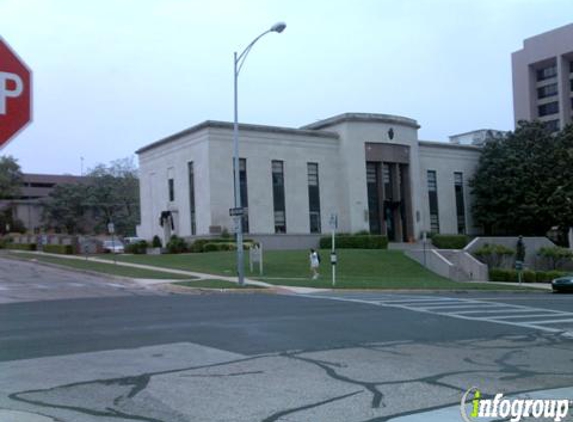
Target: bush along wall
[356, 241]
[528, 276]
[450, 241]
[22, 246]
[59, 249]
[138, 248]
[200, 245]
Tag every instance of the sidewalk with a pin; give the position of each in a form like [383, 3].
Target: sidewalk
[202, 276]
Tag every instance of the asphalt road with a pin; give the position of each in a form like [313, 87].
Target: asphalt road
[124, 354]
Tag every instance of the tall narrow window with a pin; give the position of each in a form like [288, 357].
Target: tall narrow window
[433, 197]
[279, 196]
[460, 204]
[171, 186]
[313, 197]
[192, 197]
[373, 186]
[244, 195]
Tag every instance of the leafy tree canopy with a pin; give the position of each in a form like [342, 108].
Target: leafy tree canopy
[110, 194]
[524, 181]
[10, 177]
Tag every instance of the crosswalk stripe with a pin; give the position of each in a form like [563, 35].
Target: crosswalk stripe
[468, 309]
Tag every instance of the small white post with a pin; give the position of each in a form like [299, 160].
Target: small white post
[261, 258]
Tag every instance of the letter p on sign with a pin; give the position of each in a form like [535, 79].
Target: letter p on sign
[11, 86]
[15, 94]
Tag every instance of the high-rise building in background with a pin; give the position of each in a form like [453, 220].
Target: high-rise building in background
[543, 78]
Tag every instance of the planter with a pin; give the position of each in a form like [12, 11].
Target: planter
[153, 251]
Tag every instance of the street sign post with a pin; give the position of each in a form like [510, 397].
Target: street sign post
[15, 94]
[333, 259]
[236, 212]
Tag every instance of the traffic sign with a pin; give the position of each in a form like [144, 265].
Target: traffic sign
[236, 212]
[15, 94]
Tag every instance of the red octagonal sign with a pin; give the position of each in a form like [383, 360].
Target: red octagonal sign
[15, 94]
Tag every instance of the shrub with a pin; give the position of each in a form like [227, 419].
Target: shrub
[59, 249]
[219, 246]
[554, 256]
[360, 241]
[450, 241]
[22, 246]
[177, 245]
[495, 256]
[527, 276]
[502, 274]
[156, 242]
[137, 248]
[199, 244]
[547, 276]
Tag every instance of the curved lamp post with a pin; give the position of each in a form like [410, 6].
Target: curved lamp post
[239, 60]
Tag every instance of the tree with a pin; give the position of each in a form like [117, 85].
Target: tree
[114, 195]
[109, 194]
[518, 181]
[10, 177]
[67, 209]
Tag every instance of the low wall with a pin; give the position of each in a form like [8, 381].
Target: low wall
[433, 261]
[287, 241]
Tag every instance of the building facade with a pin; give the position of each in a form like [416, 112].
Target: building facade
[28, 207]
[369, 170]
[543, 78]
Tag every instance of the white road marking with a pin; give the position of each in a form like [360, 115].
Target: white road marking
[468, 309]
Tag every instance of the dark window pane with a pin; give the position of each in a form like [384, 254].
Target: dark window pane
[547, 91]
[433, 199]
[313, 197]
[546, 72]
[373, 187]
[460, 205]
[547, 109]
[171, 185]
[279, 197]
[192, 213]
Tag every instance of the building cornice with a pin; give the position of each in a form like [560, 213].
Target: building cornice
[435, 144]
[243, 127]
[363, 118]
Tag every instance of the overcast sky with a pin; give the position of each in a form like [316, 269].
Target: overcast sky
[111, 76]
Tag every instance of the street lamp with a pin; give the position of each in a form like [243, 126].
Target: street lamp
[238, 64]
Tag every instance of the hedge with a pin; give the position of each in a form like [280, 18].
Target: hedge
[176, 245]
[219, 246]
[199, 244]
[22, 246]
[137, 248]
[358, 241]
[59, 249]
[450, 241]
[528, 276]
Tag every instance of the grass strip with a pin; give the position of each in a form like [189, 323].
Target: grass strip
[356, 269]
[99, 267]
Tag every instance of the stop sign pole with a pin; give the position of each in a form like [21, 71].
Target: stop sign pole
[15, 94]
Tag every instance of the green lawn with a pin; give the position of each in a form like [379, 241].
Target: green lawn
[103, 268]
[214, 284]
[357, 268]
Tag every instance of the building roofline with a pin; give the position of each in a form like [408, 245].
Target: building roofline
[363, 117]
[477, 130]
[216, 124]
[52, 177]
[438, 144]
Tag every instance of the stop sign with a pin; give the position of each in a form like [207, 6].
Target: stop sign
[15, 94]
